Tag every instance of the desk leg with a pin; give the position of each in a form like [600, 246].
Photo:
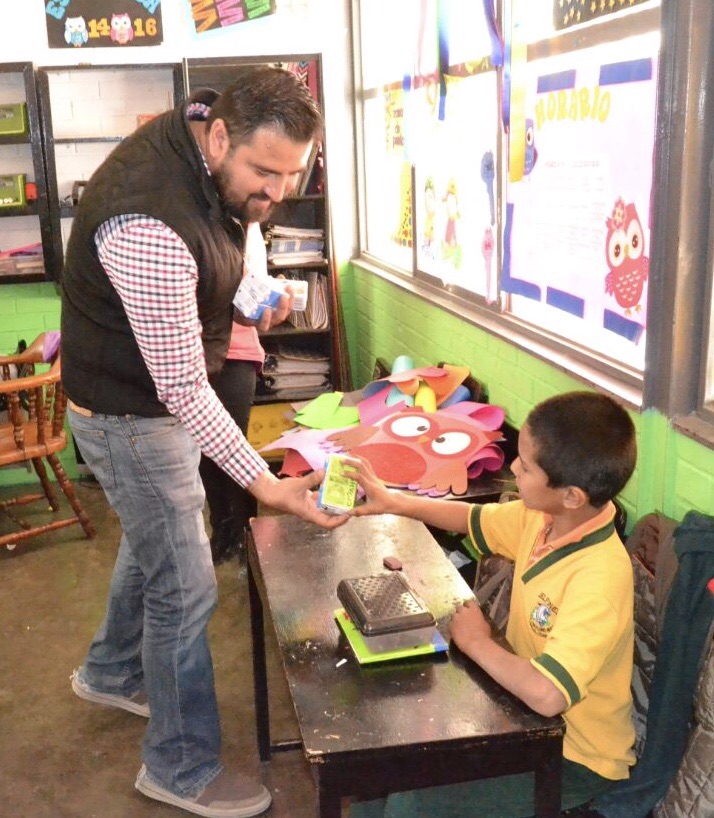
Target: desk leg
[548, 783]
[329, 801]
[260, 674]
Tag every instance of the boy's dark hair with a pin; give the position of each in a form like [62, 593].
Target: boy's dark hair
[584, 439]
[262, 96]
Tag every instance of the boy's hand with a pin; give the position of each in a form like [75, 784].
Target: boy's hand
[469, 626]
[378, 499]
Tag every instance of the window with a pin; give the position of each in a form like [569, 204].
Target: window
[514, 174]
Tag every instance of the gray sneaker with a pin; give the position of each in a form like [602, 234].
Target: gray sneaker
[229, 795]
[138, 703]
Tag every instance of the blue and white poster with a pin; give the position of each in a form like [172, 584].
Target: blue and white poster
[577, 227]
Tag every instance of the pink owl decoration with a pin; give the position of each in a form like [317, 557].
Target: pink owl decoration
[122, 29]
[430, 453]
[624, 251]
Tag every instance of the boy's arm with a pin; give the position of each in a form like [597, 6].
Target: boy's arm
[449, 515]
[472, 634]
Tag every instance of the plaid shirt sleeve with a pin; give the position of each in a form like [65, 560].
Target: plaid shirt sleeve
[155, 276]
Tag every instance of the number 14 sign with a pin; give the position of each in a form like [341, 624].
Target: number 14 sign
[103, 23]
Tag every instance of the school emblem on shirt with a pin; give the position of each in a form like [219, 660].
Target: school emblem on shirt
[542, 616]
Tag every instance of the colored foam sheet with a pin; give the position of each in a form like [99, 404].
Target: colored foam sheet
[425, 398]
[294, 465]
[311, 444]
[407, 381]
[374, 407]
[446, 385]
[395, 397]
[486, 415]
[490, 458]
[326, 412]
[461, 393]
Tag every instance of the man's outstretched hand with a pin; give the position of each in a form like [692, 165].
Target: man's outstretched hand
[295, 495]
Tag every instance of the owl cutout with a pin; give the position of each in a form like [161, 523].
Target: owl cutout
[531, 152]
[429, 453]
[75, 31]
[122, 29]
[624, 250]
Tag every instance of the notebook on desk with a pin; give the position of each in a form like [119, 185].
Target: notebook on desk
[384, 618]
[366, 655]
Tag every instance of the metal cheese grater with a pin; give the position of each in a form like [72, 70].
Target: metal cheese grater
[384, 604]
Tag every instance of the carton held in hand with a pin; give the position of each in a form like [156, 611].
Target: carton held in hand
[256, 292]
[338, 492]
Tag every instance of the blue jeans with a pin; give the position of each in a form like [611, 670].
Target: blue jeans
[162, 593]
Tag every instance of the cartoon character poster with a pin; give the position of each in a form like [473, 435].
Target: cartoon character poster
[455, 182]
[79, 24]
[577, 228]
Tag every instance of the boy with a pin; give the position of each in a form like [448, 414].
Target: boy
[571, 608]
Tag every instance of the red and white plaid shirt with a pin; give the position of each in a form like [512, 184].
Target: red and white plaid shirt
[156, 277]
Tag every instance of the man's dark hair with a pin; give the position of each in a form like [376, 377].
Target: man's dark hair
[262, 96]
[584, 439]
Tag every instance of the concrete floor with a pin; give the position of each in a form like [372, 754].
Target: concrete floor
[61, 757]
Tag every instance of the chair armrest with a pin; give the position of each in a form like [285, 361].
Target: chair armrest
[32, 381]
[34, 354]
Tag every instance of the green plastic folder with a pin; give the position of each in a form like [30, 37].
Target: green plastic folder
[364, 655]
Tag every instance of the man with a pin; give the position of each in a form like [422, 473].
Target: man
[152, 264]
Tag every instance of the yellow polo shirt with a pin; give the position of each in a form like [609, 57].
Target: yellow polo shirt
[571, 614]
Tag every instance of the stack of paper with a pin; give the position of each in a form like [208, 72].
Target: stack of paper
[292, 372]
[295, 245]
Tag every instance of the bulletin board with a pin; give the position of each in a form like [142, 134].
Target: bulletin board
[577, 227]
[80, 24]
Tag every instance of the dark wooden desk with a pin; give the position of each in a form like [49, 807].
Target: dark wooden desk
[369, 730]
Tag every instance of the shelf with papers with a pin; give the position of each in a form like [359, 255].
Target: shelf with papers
[285, 330]
[297, 240]
[24, 212]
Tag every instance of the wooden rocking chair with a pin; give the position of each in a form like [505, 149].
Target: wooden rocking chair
[34, 432]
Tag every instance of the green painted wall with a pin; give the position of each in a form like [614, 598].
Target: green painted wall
[674, 473]
[26, 310]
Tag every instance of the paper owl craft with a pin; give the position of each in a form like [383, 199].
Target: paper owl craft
[624, 250]
[430, 453]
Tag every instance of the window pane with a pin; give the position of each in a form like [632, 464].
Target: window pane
[456, 167]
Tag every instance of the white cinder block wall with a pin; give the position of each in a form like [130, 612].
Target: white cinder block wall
[95, 105]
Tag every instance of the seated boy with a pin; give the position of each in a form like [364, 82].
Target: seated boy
[571, 610]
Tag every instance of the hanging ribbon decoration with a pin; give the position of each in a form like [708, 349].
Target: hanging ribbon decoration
[514, 94]
[443, 55]
[506, 93]
[493, 33]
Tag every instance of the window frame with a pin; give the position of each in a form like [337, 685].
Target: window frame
[594, 369]
[683, 243]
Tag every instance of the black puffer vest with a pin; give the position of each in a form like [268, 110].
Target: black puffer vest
[157, 171]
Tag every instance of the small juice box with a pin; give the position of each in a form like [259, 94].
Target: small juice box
[255, 293]
[338, 492]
